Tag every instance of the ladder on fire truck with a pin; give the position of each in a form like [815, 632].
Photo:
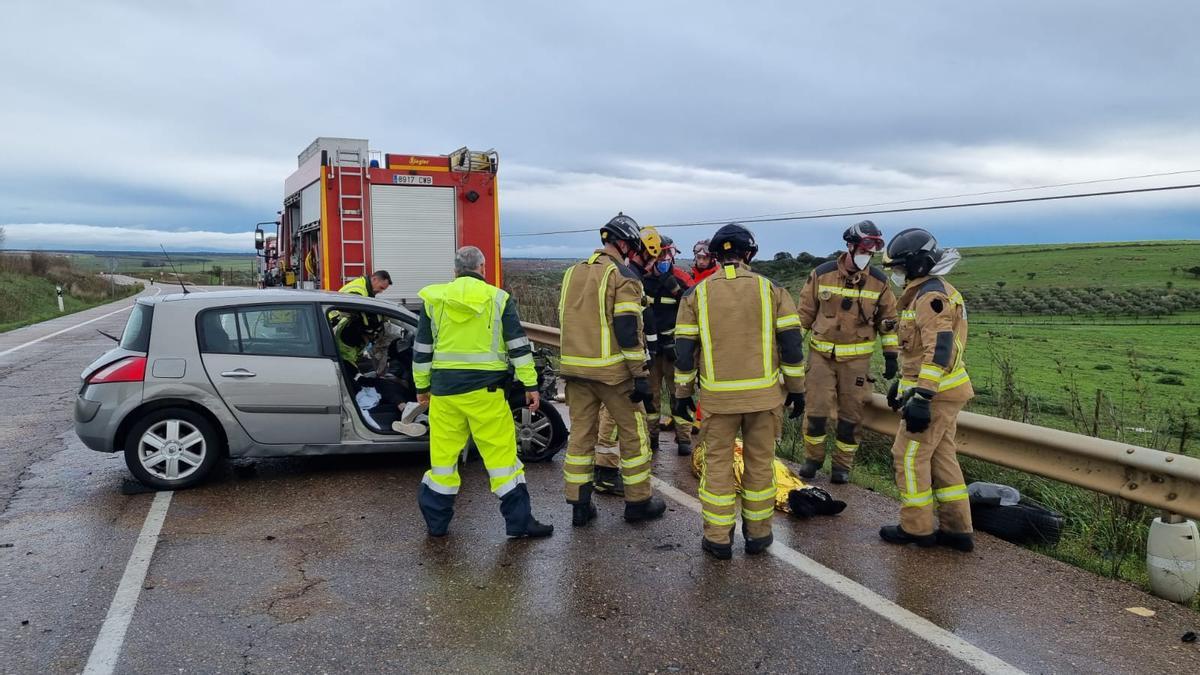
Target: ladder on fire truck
[351, 184]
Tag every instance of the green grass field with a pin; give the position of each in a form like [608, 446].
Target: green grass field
[1107, 265]
[27, 298]
[142, 263]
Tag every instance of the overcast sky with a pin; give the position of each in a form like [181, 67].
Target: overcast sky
[123, 125]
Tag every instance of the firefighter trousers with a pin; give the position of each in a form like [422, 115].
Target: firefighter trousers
[927, 473]
[720, 491]
[585, 399]
[663, 366]
[608, 455]
[834, 388]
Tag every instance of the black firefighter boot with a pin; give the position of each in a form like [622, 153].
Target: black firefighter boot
[894, 534]
[518, 517]
[840, 475]
[683, 448]
[647, 509]
[809, 469]
[437, 508]
[959, 541]
[583, 511]
[608, 481]
[718, 551]
[756, 546]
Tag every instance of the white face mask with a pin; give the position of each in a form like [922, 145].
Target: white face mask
[861, 260]
[898, 278]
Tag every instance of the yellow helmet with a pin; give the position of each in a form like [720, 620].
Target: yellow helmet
[651, 241]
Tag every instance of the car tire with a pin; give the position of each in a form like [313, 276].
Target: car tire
[541, 434]
[172, 449]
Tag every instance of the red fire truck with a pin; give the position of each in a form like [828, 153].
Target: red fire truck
[349, 211]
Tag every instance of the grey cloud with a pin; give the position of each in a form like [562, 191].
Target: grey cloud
[191, 113]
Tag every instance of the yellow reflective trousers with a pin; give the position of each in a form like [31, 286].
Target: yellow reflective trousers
[484, 416]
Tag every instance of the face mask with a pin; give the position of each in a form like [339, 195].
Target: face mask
[861, 260]
[898, 278]
[663, 267]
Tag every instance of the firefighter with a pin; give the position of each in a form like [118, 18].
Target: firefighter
[468, 338]
[665, 285]
[845, 303]
[932, 389]
[740, 335]
[378, 282]
[702, 262]
[603, 360]
[607, 478]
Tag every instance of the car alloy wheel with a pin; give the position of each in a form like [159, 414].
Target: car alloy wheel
[534, 432]
[172, 449]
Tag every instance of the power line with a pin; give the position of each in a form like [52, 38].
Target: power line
[910, 209]
[722, 221]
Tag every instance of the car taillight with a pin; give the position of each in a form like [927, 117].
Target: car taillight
[128, 369]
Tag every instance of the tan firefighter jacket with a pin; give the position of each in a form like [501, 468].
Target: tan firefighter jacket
[738, 333]
[933, 338]
[844, 309]
[600, 312]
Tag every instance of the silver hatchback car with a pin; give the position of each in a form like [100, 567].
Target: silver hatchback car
[254, 373]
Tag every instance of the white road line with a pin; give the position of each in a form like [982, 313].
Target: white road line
[60, 332]
[103, 659]
[917, 625]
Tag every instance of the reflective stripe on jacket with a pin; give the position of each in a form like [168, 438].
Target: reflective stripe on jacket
[468, 336]
[359, 286]
[739, 336]
[600, 314]
[933, 339]
[846, 308]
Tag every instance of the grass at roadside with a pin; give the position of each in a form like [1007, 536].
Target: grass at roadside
[27, 292]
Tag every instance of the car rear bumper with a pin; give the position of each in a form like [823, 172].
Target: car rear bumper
[99, 410]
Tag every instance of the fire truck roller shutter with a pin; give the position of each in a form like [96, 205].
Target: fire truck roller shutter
[413, 237]
[310, 205]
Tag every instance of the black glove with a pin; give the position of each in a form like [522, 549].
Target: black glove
[684, 409]
[893, 395]
[916, 411]
[641, 394]
[890, 366]
[796, 403]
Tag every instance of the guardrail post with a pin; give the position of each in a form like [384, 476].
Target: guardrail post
[1173, 558]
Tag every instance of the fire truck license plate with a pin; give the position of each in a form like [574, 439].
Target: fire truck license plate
[400, 179]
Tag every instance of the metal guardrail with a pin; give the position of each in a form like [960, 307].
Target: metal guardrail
[1162, 480]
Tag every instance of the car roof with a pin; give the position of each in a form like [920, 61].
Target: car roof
[257, 296]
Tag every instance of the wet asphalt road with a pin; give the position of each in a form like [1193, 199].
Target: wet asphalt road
[321, 565]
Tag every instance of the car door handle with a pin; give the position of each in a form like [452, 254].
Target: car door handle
[240, 372]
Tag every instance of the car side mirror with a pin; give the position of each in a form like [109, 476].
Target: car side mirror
[259, 238]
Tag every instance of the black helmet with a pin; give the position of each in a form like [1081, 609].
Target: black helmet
[622, 228]
[733, 237]
[865, 233]
[914, 250]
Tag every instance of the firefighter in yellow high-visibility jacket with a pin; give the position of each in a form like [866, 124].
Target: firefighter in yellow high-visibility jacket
[603, 360]
[468, 337]
[933, 388]
[739, 335]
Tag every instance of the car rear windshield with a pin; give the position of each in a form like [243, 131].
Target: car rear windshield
[136, 337]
